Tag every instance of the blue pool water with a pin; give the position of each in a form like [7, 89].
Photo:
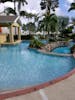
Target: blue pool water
[44, 41]
[21, 67]
[65, 50]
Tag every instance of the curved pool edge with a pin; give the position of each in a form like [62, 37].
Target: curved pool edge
[19, 92]
[53, 53]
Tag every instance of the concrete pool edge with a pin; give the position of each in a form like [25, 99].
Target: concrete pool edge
[14, 93]
[54, 54]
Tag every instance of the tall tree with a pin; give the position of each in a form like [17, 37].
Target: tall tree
[30, 26]
[14, 1]
[63, 21]
[21, 2]
[49, 4]
[9, 11]
[49, 23]
[73, 19]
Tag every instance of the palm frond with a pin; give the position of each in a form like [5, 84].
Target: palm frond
[72, 7]
[9, 11]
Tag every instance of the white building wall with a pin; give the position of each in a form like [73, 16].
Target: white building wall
[5, 30]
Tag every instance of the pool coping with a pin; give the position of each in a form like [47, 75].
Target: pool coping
[53, 53]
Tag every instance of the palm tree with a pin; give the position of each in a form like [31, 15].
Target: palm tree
[49, 23]
[23, 13]
[14, 1]
[21, 2]
[53, 23]
[9, 11]
[48, 5]
[30, 26]
[72, 7]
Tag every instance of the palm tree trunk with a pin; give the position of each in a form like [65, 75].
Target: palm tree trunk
[14, 5]
[48, 8]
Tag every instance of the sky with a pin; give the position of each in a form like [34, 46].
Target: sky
[34, 7]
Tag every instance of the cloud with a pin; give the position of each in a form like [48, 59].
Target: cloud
[33, 6]
[1, 7]
[70, 1]
[9, 4]
[59, 12]
[5, 5]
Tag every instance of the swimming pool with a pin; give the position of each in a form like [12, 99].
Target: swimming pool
[64, 50]
[21, 67]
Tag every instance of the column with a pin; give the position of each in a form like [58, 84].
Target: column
[11, 35]
[19, 34]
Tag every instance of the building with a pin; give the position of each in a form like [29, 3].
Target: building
[13, 25]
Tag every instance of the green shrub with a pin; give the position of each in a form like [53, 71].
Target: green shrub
[68, 30]
[36, 44]
[52, 39]
[41, 37]
[27, 37]
[67, 39]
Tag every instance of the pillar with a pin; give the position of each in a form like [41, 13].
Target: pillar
[19, 34]
[11, 35]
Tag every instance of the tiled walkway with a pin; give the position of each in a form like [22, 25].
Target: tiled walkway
[64, 90]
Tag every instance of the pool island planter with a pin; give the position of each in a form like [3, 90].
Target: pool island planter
[23, 91]
[50, 46]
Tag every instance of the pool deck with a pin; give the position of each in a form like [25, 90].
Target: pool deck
[63, 90]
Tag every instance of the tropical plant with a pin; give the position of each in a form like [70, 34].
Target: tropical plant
[62, 22]
[23, 13]
[49, 4]
[35, 43]
[73, 20]
[21, 2]
[9, 11]
[72, 6]
[30, 26]
[49, 23]
[66, 32]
